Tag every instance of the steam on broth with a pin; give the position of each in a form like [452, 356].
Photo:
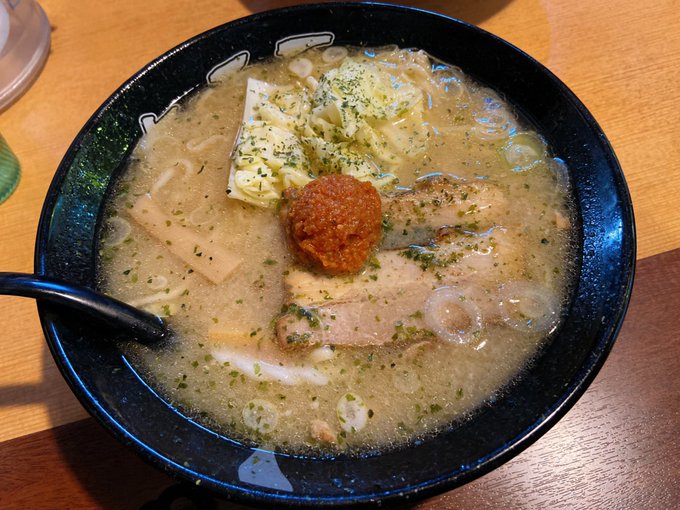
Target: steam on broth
[466, 282]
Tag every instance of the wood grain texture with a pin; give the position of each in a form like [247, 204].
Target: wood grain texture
[621, 57]
[617, 56]
[617, 448]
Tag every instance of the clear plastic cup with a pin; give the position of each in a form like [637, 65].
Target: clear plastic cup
[24, 45]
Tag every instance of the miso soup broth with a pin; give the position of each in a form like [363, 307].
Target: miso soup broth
[468, 279]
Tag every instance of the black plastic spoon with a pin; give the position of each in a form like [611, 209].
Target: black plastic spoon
[143, 326]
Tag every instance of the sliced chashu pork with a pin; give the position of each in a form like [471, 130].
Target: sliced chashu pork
[416, 216]
[360, 321]
[385, 303]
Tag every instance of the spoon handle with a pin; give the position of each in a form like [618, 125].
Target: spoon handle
[144, 326]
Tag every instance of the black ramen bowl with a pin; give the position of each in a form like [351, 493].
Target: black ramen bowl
[112, 391]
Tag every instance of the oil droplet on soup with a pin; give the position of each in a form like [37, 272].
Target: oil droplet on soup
[467, 281]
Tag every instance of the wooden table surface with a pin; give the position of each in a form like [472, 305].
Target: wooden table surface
[619, 446]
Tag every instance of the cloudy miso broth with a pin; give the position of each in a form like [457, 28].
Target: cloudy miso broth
[467, 280]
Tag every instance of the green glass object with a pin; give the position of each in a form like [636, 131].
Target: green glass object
[10, 171]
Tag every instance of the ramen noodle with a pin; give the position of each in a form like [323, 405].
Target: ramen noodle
[449, 304]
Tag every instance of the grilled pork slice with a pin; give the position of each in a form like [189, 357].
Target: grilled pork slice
[387, 270]
[361, 321]
[386, 302]
[416, 216]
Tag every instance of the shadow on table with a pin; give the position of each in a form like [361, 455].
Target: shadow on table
[471, 11]
[88, 466]
[49, 391]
